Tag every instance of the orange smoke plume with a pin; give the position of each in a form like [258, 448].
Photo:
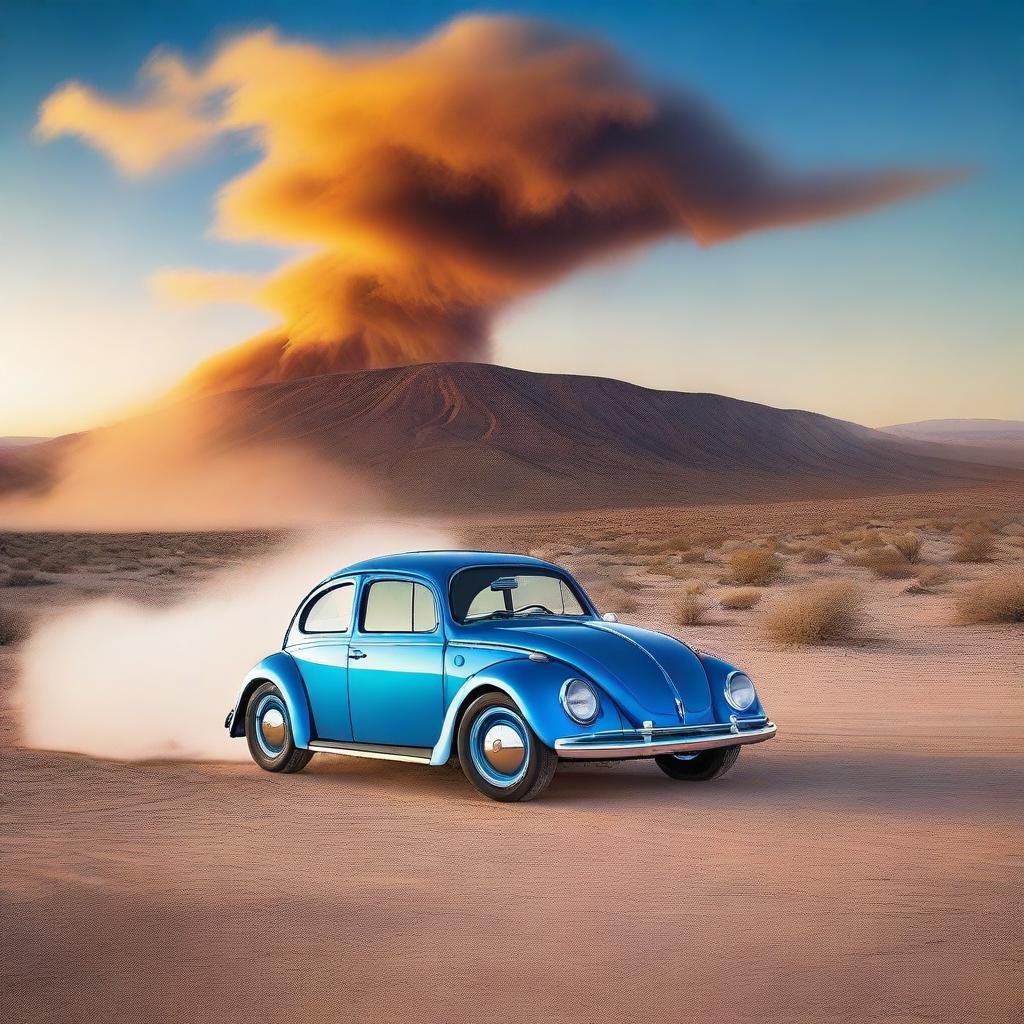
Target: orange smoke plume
[441, 181]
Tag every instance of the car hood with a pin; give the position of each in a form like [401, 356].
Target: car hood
[642, 670]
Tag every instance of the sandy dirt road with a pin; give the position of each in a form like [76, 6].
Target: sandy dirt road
[849, 870]
[864, 866]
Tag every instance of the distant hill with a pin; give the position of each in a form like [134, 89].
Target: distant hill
[479, 437]
[20, 442]
[967, 431]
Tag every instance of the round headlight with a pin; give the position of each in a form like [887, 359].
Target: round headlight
[739, 690]
[579, 699]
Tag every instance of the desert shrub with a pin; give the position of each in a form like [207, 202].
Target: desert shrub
[998, 600]
[826, 613]
[741, 598]
[626, 583]
[974, 546]
[690, 610]
[615, 600]
[887, 563]
[692, 586]
[929, 576]
[908, 545]
[812, 554]
[693, 555]
[23, 578]
[755, 567]
[54, 564]
[13, 626]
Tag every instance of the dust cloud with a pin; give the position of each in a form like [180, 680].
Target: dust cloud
[126, 681]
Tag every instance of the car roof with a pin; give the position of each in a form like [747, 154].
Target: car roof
[440, 565]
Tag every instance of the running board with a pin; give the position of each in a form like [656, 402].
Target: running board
[378, 751]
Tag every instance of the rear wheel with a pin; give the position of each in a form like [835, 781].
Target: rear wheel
[499, 752]
[268, 730]
[702, 767]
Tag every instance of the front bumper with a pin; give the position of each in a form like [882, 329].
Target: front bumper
[609, 746]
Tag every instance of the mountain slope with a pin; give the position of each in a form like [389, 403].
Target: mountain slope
[478, 437]
[483, 436]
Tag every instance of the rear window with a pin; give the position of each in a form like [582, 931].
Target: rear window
[331, 612]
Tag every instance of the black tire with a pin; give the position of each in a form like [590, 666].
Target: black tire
[705, 766]
[282, 755]
[527, 779]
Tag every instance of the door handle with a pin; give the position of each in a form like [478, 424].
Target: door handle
[356, 654]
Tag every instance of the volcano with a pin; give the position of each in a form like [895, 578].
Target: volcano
[478, 437]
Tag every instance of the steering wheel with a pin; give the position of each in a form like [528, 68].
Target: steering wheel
[531, 607]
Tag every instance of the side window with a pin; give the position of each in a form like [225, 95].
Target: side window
[331, 612]
[399, 606]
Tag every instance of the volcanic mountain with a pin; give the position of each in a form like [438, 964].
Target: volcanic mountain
[480, 437]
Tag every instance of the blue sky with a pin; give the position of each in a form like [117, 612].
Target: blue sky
[909, 312]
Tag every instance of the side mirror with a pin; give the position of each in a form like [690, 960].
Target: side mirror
[610, 617]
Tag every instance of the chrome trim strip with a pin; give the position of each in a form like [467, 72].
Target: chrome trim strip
[377, 755]
[572, 748]
[676, 730]
[489, 645]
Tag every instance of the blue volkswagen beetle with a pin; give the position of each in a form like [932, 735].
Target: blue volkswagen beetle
[499, 660]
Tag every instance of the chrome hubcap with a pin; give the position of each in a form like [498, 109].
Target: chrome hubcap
[504, 749]
[272, 727]
[500, 746]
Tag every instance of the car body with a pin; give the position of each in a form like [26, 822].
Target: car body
[498, 659]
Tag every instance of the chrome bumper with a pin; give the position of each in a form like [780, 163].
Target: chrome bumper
[651, 742]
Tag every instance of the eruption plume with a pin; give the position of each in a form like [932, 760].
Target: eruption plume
[441, 181]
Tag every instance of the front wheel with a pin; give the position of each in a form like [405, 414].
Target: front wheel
[499, 752]
[268, 730]
[702, 767]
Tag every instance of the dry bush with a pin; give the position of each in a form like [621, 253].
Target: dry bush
[626, 583]
[54, 564]
[618, 601]
[852, 536]
[998, 600]
[995, 600]
[23, 578]
[13, 625]
[754, 567]
[691, 609]
[826, 613]
[887, 563]
[692, 586]
[908, 545]
[812, 555]
[741, 598]
[929, 576]
[974, 547]
[693, 555]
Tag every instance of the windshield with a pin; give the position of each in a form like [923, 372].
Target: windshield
[509, 591]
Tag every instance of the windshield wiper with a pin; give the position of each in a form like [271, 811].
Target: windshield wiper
[499, 613]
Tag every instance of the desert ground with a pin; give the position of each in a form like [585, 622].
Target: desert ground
[864, 866]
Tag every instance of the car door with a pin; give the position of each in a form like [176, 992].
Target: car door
[396, 665]
[319, 643]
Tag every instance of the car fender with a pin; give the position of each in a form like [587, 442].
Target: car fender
[281, 670]
[535, 687]
[718, 672]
